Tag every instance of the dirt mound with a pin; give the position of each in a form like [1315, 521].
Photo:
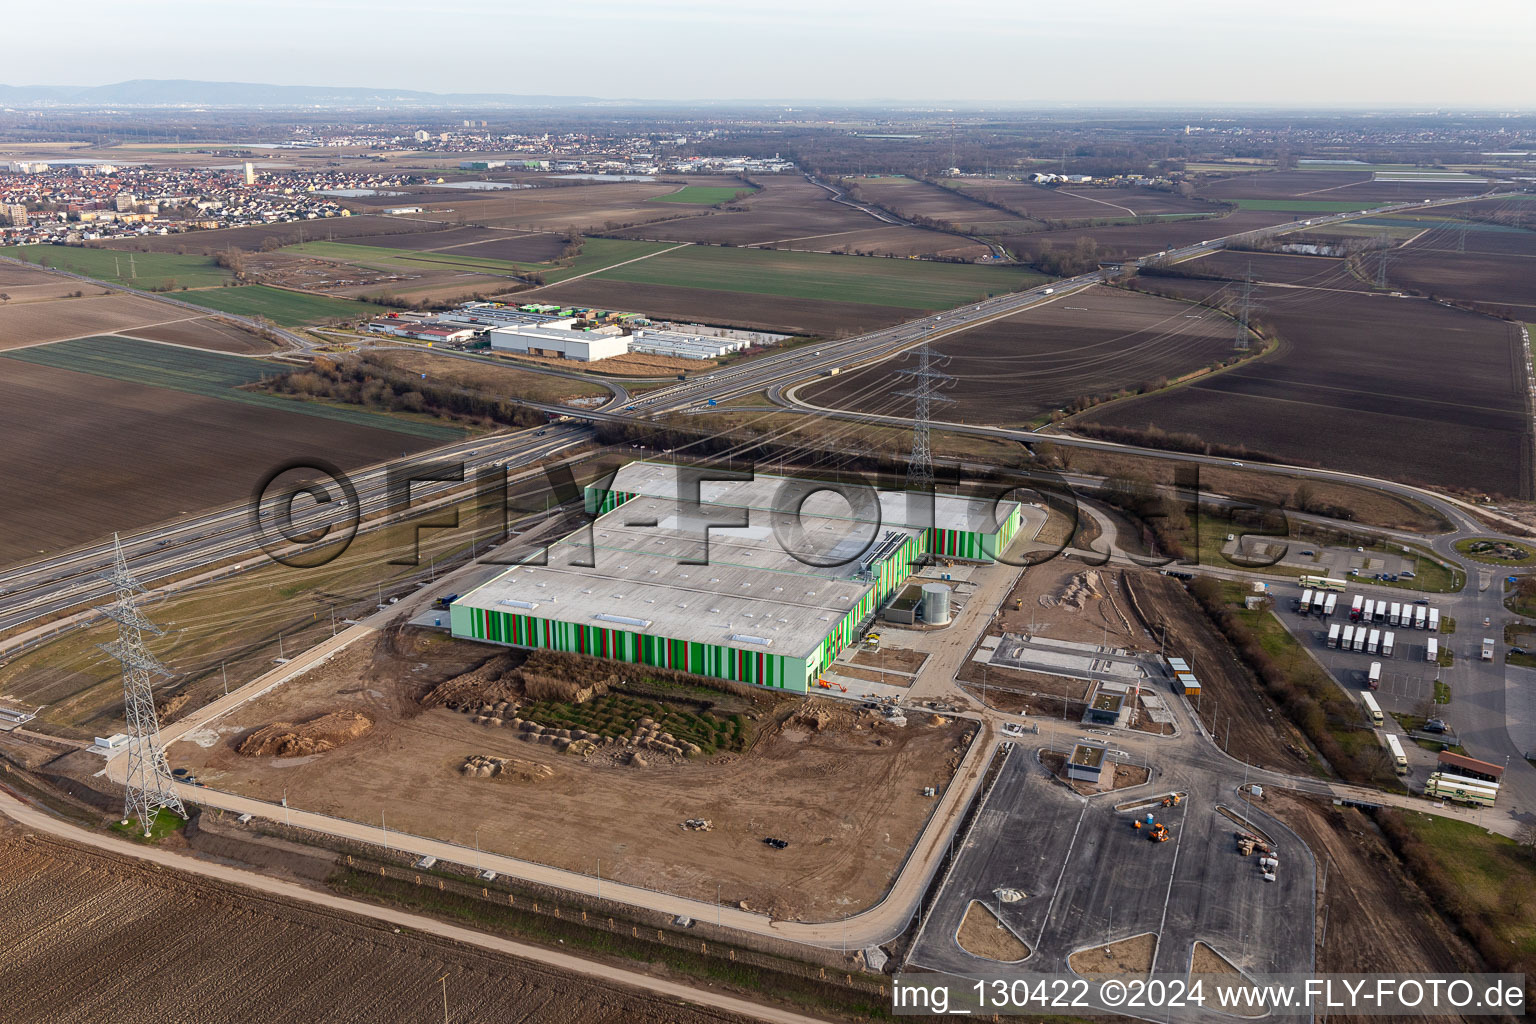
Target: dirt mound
[507, 679]
[285, 739]
[1079, 590]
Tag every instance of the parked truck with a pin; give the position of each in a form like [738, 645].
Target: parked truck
[1432, 650]
[1373, 677]
[1373, 642]
[1347, 642]
[1354, 608]
[1369, 614]
[1487, 648]
[1329, 604]
[1420, 617]
[1372, 709]
[1333, 635]
[1305, 604]
[1395, 616]
[1360, 632]
[1434, 620]
[1388, 641]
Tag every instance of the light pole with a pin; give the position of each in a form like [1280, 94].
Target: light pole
[477, 851]
[717, 905]
[225, 674]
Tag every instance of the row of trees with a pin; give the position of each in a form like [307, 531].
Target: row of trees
[372, 383]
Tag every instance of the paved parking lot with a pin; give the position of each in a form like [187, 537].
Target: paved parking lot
[1089, 878]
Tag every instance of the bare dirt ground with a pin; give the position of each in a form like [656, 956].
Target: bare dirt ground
[28, 323]
[153, 453]
[845, 791]
[1378, 919]
[892, 658]
[1100, 619]
[206, 332]
[89, 936]
[982, 934]
[1125, 956]
[1232, 704]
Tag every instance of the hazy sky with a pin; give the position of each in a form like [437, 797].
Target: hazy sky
[1207, 52]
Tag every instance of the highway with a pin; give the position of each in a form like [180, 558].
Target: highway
[48, 586]
[61, 581]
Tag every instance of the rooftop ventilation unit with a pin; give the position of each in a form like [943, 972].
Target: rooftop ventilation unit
[530, 605]
[743, 638]
[625, 619]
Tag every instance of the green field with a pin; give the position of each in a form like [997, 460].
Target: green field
[596, 253]
[908, 284]
[701, 195]
[288, 309]
[1493, 874]
[382, 258]
[1301, 205]
[144, 270]
[209, 374]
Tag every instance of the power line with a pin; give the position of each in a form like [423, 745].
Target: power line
[925, 384]
[149, 783]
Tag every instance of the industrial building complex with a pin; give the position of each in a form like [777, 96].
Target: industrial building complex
[576, 333]
[760, 580]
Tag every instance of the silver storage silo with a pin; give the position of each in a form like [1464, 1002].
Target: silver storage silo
[935, 604]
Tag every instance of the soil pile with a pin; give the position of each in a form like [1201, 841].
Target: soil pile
[285, 739]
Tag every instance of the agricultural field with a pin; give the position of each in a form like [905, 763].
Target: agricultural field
[285, 308]
[1358, 187]
[22, 283]
[1274, 268]
[1062, 203]
[703, 195]
[1487, 263]
[1303, 205]
[735, 309]
[547, 207]
[479, 243]
[566, 810]
[821, 277]
[1014, 371]
[250, 239]
[1353, 370]
[169, 430]
[206, 333]
[143, 270]
[1128, 241]
[247, 958]
[39, 322]
[917, 200]
[792, 213]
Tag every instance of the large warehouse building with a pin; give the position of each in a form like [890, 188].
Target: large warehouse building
[735, 584]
